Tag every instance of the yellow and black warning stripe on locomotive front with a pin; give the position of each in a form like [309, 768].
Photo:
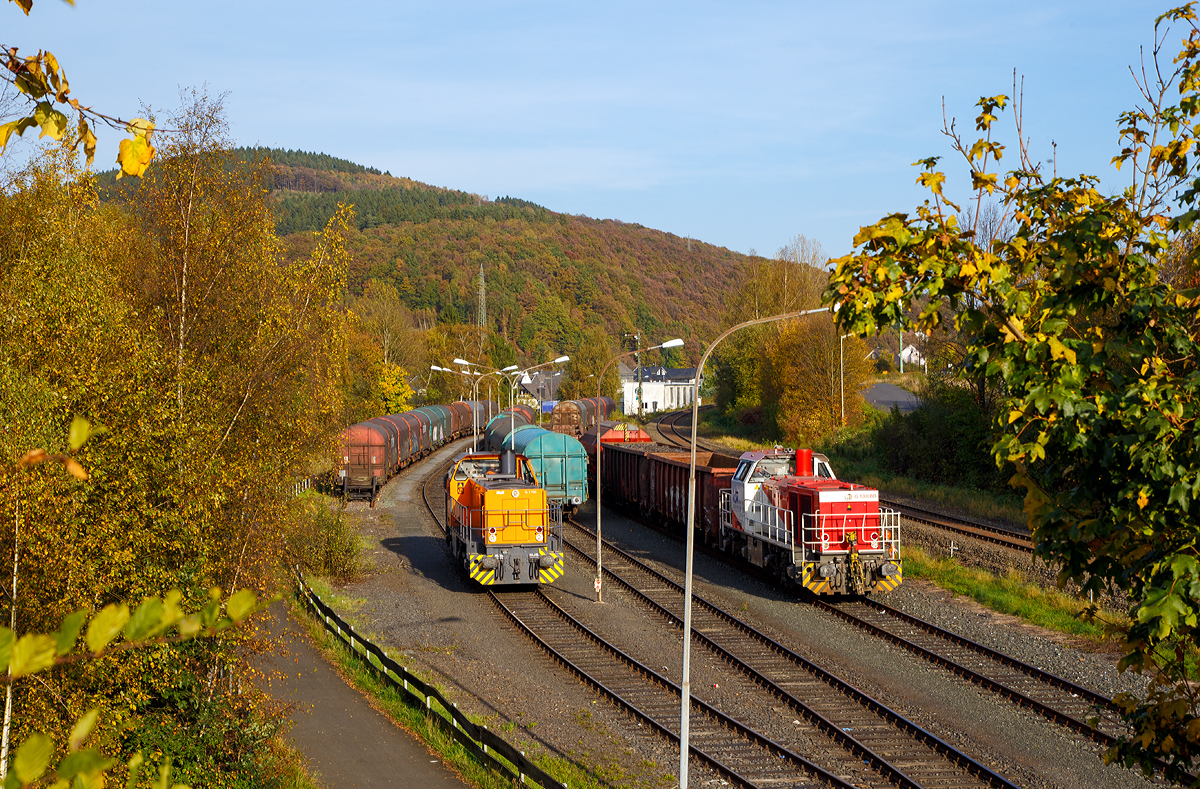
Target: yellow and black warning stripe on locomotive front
[813, 582]
[887, 583]
[483, 575]
[548, 575]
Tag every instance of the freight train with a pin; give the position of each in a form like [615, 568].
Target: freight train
[780, 510]
[501, 525]
[574, 417]
[374, 451]
[558, 460]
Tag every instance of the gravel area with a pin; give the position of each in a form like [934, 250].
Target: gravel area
[1030, 750]
[999, 559]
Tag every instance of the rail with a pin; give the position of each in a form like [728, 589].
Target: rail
[479, 741]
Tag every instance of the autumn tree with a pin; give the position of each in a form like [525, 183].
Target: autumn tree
[394, 386]
[588, 359]
[789, 372]
[1094, 356]
[171, 319]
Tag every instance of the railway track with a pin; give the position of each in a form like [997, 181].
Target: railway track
[849, 725]
[896, 750]
[731, 748]
[1046, 694]
[1051, 696]
[1009, 538]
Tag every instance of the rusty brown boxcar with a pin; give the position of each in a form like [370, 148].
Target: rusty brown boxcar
[653, 481]
[575, 417]
[372, 452]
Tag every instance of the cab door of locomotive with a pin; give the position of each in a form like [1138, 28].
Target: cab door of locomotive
[808, 525]
[739, 500]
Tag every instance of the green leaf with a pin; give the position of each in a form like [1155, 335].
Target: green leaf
[32, 653]
[145, 620]
[68, 634]
[80, 762]
[106, 626]
[33, 757]
[240, 604]
[83, 727]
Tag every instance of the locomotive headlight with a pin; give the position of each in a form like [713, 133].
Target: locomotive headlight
[516, 493]
[888, 570]
[538, 534]
[492, 534]
[826, 570]
[576, 500]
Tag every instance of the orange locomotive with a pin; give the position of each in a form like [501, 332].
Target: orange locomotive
[501, 525]
[829, 536]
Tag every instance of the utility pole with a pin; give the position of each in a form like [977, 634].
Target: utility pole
[637, 338]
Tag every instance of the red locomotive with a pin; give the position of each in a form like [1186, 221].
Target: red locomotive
[829, 536]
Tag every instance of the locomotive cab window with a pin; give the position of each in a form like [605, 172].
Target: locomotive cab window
[742, 471]
[773, 467]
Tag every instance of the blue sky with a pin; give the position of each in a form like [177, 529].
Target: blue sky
[741, 124]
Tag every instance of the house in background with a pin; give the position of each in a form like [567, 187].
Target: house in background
[663, 389]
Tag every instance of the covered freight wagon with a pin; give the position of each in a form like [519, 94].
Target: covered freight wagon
[558, 460]
[574, 417]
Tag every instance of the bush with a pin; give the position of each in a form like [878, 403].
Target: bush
[946, 441]
[324, 541]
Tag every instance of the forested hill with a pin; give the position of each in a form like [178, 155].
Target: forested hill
[549, 276]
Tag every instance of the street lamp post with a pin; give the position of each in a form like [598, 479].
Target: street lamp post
[476, 380]
[686, 684]
[514, 377]
[599, 383]
[842, 371]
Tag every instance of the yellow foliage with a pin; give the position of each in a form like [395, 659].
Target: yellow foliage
[393, 386]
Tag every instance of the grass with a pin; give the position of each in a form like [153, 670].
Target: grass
[1011, 593]
[288, 767]
[416, 719]
[976, 503]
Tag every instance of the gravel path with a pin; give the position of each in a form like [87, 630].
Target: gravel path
[346, 742]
